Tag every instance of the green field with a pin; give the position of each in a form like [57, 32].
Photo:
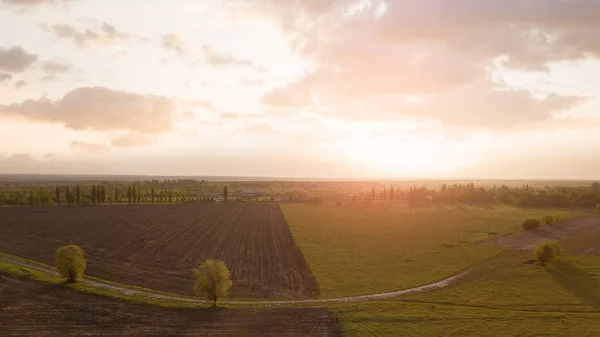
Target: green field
[354, 249]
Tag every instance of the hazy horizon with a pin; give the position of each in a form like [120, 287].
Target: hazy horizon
[332, 89]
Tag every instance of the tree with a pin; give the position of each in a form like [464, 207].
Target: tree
[57, 194]
[373, 193]
[391, 193]
[68, 194]
[139, 194]
[213, 280]
[152, 193]
[548, 219]
[598, 208]
[225, 194]
[94, 194]
[547, 252]
[134, 193]
[129, 195]
[531, 224]
[117, 196]
[70, 262]
[77, 194]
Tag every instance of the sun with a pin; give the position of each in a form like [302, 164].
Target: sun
[388, 157]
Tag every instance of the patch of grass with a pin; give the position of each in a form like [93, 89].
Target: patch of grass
[387, 318]
[360, 249]
[570, 283]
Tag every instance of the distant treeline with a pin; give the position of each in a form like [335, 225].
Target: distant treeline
[516, 196]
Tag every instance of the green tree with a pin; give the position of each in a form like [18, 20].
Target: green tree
[213, 280]
[170, 196]
[57, 193]
[68, 194]
[152, 194]
[70, 262]
[139, 194]
[77, 194]
[547, 252]
[531, 224]
[93, 195]
[133, 193]
[548, 219]
[225, 194]
[102, 194]
[129, 195]
[117, 195]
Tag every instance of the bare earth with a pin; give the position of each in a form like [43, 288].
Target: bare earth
[157, 246]
[32, 308]
[529, 240]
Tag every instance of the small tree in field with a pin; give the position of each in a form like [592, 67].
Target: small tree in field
[225, 194]
[548, 219]
[70, 262]
[547, 252]
[213, 280]
[531, 224]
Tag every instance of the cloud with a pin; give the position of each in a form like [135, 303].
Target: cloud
[5, 77]
[100, 109]
[175, 43]
[53, 68]
[16, 59]
[106, 34]
[20, 84]
[433, 49]
[256, 128]
[82, 146]
[222, 60]
[228, 115]
[203, 104]
[31, 3]
[131, 140]
[491, 108]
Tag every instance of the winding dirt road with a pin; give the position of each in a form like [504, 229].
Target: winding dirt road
[136, 292]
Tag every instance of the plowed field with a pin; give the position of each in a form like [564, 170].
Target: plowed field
[156, 246]
[29, 308]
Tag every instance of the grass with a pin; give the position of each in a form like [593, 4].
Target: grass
[354, 249]
[503, 298]
[389, 318]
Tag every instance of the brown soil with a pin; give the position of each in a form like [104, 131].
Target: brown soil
[156, 246]
[32, 308]
[567, 231]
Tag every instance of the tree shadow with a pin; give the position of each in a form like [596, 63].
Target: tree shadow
[577, 281]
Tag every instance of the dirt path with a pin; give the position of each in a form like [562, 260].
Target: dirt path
[529, 240]
[135, 292]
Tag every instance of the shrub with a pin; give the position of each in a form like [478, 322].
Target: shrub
[531, 224]
[547, 252]
[598, 208]
[548, 219]
[213, 280]
[70, 262]
[556, 248]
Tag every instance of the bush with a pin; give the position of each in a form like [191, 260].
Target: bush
[213, 280]
[531, 224]
[547, 252]
[598, 208]
[70, 262]
[548, 219]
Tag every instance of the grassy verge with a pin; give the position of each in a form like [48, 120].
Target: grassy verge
[355, 249]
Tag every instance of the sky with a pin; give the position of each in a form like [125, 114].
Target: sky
[480, 89]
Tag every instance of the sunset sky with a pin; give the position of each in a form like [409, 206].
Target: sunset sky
[314, 88]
